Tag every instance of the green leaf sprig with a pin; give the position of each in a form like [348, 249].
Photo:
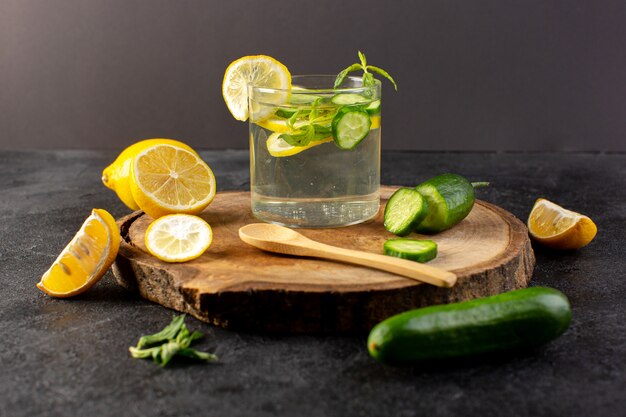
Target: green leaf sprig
[368, 77]
[173, 340]
[316, 127]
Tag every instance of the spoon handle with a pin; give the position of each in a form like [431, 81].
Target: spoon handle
[410, 269]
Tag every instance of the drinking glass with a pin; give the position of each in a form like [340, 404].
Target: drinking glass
[316, 184]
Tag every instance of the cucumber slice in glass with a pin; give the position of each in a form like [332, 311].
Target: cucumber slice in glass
[303, 98]
[350, 126]
[405, 209]
[412, 249]
[348, 99]
[373, 107]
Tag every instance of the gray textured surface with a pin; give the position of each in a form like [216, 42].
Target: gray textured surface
[473, 75]
[69, 357]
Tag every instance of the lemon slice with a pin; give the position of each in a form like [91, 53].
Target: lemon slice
[278, 147]
[279, 125]
[178, 237]
[167, 179]
[116, 176]
[375, 122]
[85, 259]
[260, 70]
[559, 228]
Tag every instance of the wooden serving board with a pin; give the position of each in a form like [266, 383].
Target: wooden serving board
[237, 286]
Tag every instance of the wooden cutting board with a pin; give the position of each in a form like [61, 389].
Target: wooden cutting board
[237, 286]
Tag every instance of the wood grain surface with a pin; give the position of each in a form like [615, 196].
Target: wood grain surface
[237, 286]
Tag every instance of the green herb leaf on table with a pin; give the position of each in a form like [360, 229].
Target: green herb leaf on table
[173, 340]
[169, 332]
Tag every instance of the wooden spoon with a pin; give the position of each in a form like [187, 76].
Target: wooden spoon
[274, 238]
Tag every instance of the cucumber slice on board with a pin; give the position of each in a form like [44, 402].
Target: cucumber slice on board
[405, 209]
[350, 126]
[450, 199]
[412, 249]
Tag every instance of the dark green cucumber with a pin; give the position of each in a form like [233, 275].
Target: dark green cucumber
[412, 249]
[513, 320]
[450, 199]
[405, 209]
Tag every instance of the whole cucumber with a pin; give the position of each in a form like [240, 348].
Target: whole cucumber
[512, 320]
[450, 199]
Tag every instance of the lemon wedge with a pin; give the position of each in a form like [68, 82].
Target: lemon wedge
[178, 237]
[85, 259]
[559, 228]
[260, 70]
[277, 147]
[116, 176]
[167, 179]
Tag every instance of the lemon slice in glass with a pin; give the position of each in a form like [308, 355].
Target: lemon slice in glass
[178, 237]
[277, 147]
[260, 70]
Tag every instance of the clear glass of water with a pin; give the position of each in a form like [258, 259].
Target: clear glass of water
[303, 170]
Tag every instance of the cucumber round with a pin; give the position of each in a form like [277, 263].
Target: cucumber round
[405, 209]
[412, 249]
[513, 320]
[450, 199]
[350, 126]
[349, 99]
[374, 107]
[297, 98]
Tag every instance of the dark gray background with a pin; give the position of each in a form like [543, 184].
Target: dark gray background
[477, 75]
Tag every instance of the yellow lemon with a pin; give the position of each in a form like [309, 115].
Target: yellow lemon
[277, 147]
[85, 259]
[559, 228]
[178, 237]
[260, 70]
[168, 179]
[116, 176]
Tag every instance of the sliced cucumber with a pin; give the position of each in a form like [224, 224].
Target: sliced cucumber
[349, 99]
[405, 209]
[413, 249]
[350, 126]
[450, 199]
[303, 98]
[373, 107]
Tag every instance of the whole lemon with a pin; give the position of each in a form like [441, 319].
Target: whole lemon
[117, 175]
